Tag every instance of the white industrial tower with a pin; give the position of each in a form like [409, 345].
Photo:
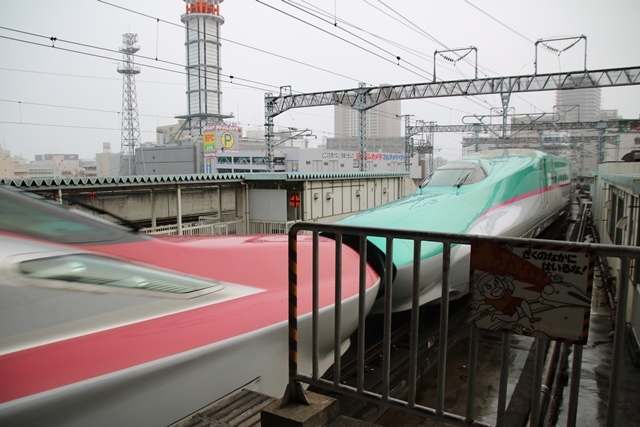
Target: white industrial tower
[204, 97]
[130, 138]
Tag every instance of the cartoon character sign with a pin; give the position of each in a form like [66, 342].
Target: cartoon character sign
[531, 290]
[498, 293]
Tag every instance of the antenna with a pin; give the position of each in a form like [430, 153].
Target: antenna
[130, 124]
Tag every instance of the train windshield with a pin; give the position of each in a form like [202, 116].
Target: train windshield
[455, 174]
[30, 215]
[86, 269]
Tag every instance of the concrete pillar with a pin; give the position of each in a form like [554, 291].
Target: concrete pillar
[179, 210]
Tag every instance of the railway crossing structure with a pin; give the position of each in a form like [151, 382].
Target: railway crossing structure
[366, 97]
[575, 143]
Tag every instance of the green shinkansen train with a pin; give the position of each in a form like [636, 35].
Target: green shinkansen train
[514, 192]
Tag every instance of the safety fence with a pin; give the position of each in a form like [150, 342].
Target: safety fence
[542, 251]
[215, 227]
[269, 227]
[202, 227]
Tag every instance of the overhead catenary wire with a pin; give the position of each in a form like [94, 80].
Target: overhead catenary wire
[338, 37]
[277, 55]
[232, 42]
[80, 76]
[411, 25]
[66, 126]
[76, 108]
[398, 58]
[399, 46]
[117, 59]
[343, 21]
[237, 82]
[421, 31]
[265, 88]
[510, 29]
[267, 52]
[499, 22]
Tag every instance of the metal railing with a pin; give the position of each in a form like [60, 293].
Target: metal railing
[203, 227]
[214, 227]
[269, 227]
[295, 390]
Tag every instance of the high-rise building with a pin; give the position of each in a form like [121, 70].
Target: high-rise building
[382, 129]
[578, 105]
[382, 121]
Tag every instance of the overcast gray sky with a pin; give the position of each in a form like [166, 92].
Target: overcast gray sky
[67, 98]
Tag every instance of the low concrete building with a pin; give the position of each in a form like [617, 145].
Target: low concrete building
[189, 158]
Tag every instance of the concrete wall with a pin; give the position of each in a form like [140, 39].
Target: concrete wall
[325, 200]
[328, 201]
[138, 205]
[168, 159]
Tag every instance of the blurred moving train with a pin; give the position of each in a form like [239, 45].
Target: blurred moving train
[514, 193]
[100, 326]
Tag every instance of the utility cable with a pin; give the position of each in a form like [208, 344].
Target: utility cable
[85, 76]
[233, 42]
[398, 58]
[139, 64]
[500, 22]
[251, 47]
[340, 38]
[78, 108]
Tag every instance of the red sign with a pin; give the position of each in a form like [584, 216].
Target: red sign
[294, 200]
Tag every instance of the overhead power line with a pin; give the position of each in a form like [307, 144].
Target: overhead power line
[499, 22]
[80, 76]
[66, 126]
[341, 38]
[263, 89]
[266, 52]
[393, 55]
[233, 42]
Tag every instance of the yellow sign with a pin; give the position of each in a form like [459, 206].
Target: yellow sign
[226, 140]
[209, 141]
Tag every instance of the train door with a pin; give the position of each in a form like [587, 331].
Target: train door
[544, 183]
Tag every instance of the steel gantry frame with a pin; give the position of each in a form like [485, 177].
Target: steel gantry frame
[619, 125]
[364, 98]
[476, 128]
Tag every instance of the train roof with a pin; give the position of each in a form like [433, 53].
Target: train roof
[506, 153]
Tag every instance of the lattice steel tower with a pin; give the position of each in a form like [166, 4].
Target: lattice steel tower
[204, 97]
[130, 138]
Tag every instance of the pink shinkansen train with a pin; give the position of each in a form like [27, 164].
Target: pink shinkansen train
[100, 326]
